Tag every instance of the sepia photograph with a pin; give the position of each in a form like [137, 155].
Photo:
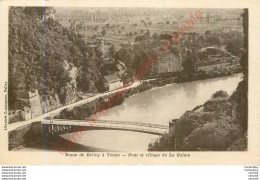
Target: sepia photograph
[104, 79]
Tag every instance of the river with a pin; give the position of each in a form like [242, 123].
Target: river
[157, 106]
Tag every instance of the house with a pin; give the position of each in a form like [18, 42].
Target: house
[31, 98]
[112, 82]
[168, 63]
[22, 114]
[113, 67]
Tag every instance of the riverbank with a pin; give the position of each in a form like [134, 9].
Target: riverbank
[86, 110]
[217, 125]
[202, 75]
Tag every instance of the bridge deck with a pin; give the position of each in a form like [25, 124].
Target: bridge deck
[108, 124]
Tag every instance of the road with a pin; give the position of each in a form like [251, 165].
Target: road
[16, 125]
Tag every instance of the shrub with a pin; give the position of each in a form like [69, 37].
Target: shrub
[214, 136]
[220, 94]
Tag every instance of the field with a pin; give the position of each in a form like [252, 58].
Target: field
[120, 27]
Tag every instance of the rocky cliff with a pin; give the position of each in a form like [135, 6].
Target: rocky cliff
[44, 55]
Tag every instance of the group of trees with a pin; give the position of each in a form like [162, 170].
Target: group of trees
[234, 46]
[189, 64]
[230, 40]
[39, 51]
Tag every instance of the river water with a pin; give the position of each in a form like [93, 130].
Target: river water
[157, 106]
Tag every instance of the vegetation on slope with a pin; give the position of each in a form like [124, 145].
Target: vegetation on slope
[220, 124]
[40, 48]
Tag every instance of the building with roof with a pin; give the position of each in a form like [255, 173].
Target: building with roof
[168, 63]
[22, 114]
[112, 82]
[31, 99]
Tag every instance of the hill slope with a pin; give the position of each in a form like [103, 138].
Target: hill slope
[46, 56]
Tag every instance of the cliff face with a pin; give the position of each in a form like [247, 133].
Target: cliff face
[49, 103]
[44, 55]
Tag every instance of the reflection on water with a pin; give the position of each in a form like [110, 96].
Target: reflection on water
[115, 140]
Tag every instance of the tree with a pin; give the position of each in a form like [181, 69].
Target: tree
[96, 27]
[84, 82]
[107, 25]
[11, 92]
[234, 46]
[201, 39]
[104, 32]
[208, 33]
[207, 17]
[189, 65]
[141, 38]
[148, 32]
[39, 11]
[220, 94]
[165, 36]
[213, 40]
[112, 51]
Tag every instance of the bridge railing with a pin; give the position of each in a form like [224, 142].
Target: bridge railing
[133, 128]
[120, 122]
[149, 129]
[133, 123]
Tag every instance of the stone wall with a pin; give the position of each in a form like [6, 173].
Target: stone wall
[16, 137]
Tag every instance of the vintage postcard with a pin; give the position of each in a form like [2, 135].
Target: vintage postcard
[129, 82]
